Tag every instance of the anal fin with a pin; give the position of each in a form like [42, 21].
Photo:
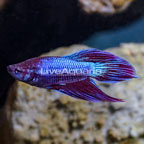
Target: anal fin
[86, 90]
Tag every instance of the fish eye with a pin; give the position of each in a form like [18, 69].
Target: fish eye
[17, 71]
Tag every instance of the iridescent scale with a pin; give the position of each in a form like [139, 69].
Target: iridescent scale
[61, 70]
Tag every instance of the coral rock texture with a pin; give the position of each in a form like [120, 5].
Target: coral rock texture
[41, 116]
[104, 6]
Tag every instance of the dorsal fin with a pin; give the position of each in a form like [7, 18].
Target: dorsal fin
[92, 55]
[107, 67]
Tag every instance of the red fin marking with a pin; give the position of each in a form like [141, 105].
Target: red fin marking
[86, 90]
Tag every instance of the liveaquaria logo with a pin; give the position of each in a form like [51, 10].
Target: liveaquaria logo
[75, 71]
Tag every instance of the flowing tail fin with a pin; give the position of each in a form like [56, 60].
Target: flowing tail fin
[106, 67]
[113, 71]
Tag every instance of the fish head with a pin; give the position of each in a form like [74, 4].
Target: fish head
[24, 71]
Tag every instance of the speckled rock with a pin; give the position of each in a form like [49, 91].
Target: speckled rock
[104, 6]
[41, 116]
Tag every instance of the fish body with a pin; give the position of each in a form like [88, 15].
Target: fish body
[61, 70]
[74, 74]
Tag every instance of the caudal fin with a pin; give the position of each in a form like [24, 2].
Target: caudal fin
[106, 67]
[113, 71]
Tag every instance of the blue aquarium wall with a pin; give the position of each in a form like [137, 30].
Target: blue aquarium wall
[131, 33]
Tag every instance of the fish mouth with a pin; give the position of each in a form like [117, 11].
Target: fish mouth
[18, 73]
[10, 69]
[13, 71]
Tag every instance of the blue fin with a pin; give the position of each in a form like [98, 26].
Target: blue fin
[86, 90]
[106, 66]
[113, 71]
[91, 55]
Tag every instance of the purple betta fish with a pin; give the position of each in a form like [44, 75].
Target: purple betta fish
[74, 74]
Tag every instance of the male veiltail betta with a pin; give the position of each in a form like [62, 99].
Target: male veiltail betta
[74, 74]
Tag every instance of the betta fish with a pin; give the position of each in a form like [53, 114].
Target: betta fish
[76, 74]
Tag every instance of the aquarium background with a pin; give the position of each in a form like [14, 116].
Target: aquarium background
[131, 33]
